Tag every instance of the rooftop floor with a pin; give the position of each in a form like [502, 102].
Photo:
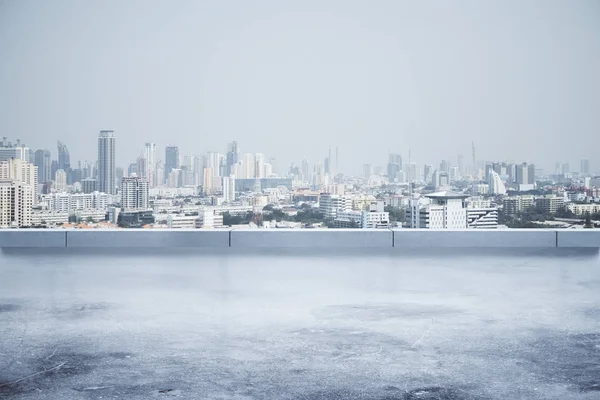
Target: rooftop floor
[299, 324]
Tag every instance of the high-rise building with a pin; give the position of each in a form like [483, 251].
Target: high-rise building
[496, 186]
[21, 171]
[9, 150]
[525, 174]
[107, 169]
[394, 167]
[150, 167]
[305, 171]
[171, 160]
[367, 171]
[134, 193]
[259, 165]
[232, 157]
[64, 158]
[229, 188]
[60, 183]
[43, 162]
[585, 167]
[16, 203]
[565, 168]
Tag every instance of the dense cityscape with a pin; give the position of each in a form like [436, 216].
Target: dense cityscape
[236, 189]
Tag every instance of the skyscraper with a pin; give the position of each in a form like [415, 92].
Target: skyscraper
[150, 168]
[232, 157]
[107, 176]
[394, 166]
[171, 160]
[585, 167]
[44, 164]
[134, 193]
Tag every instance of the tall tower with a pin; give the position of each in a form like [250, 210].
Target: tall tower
[150, 167]
[171, 160]
[107, 169]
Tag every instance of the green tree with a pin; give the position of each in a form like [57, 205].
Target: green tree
[588, 221]
[396, 214]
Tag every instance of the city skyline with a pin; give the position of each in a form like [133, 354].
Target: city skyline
[368, 80]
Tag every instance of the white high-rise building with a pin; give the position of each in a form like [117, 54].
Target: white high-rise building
[21, 171]
[16, 203]
[248, 166]
[150, 161]
[229, 188]
[60, 182]
[134, 193]
[447, 210]
[214, 162]
[107, 169]
[208, 180]
[496, 186]
[331, 204]
[259, 162]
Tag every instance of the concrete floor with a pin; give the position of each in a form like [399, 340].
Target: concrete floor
[143, 324]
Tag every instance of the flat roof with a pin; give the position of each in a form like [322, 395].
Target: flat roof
[295, 324]
[447, 194]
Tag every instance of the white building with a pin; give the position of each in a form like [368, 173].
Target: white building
[446, 210]
[45, 217]
[72, 202]
[134, 193]
[21, 171]
[107, 169]
[16, 203]
[374, 216]
[496, 186]
[583, 209]
[60, 182]
[229, 188]
[331, 204]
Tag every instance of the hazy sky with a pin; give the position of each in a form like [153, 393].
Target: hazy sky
[288, 79]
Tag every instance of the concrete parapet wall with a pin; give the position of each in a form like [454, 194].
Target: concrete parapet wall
[409, 238]
[308, 238]
[148, 238]
[323, 238]
[33, 238]
[578, 238]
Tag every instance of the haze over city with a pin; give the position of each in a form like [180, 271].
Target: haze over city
[289, 80]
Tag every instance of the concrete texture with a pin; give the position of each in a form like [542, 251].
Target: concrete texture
[578, 238]
[146, 238]
[289, 325]
[32, 238]
[312, 238]
[406, 238]
[306, 238]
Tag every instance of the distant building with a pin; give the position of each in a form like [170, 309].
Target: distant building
[550, 204]
[585, 167]
[89, 185]
[16, 203]
[229, 188]
[134, 193]
[21, 171]
[516, 204]
[496, 186]
[107, 169]
[60, 182]
[331, 204]
[43, 163]
[16, 151]
[447, 210]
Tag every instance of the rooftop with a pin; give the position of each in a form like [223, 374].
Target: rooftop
[290, 324]
[447, 194]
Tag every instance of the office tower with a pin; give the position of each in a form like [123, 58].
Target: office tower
[232, 157]
[9, 150]
[89, 185]
[394, 167]
[305, 171]
[565, 169]
[229, 188]
[60, 183]
[171, 160]
[427, 172]
[150, 164]
[248, 166]
[134, 193]
[133, 169]
[259, 165]
[585, 167]
[460, 162]
[64, 159]
[16, 203]
[43, 163]
[107, 169]
[525, 174]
